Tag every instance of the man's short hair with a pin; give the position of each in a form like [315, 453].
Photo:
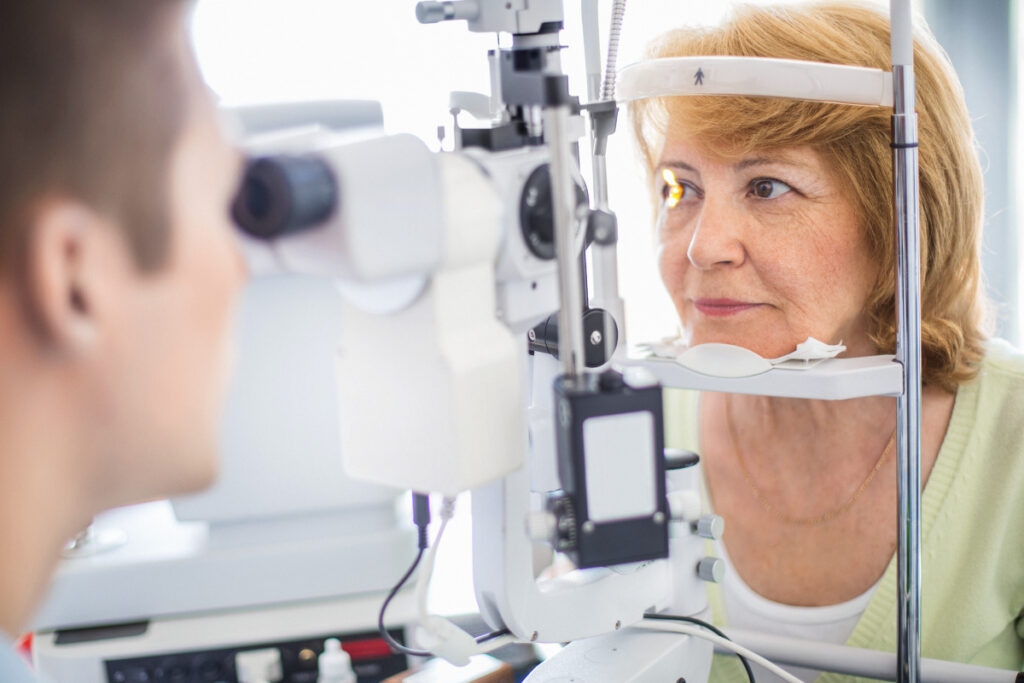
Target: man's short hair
[92, 98]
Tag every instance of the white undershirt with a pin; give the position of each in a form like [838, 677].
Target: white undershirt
[746, 610]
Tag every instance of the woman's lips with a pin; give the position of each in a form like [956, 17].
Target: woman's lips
[722, 307]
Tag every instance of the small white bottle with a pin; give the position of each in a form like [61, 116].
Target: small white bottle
[334, 664]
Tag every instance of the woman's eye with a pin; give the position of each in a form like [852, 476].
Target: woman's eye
[673, 191]
[769, 188]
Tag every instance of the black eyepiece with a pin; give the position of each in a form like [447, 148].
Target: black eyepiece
[283, 194]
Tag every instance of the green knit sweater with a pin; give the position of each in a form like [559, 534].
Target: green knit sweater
[972, 529]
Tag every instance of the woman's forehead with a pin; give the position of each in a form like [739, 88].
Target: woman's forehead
[690, 154]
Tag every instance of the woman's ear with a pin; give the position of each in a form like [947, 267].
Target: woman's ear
[68, 278]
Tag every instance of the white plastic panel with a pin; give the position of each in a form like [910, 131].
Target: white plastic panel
[757, 76]
[834, 379]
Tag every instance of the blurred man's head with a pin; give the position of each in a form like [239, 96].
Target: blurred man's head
[118, 269]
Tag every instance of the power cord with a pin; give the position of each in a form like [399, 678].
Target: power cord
[395, 645]
[421, 517]
[724, 643]
[708, 626]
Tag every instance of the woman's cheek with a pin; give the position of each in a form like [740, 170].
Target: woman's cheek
[672, 264]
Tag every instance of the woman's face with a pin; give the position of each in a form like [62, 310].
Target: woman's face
[762, 251]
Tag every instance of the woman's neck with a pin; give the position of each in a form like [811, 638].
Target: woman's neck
[791, 446]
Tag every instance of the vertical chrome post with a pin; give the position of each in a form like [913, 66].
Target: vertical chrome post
[604, 264]
[563, 200]
[908, 351]
[604, 259]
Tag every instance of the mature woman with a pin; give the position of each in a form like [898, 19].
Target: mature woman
[775, 224]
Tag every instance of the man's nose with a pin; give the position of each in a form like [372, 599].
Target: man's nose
[716, 242]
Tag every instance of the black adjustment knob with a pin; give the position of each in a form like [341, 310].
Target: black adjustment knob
[284, 194]
[600, 337]
[611, 380]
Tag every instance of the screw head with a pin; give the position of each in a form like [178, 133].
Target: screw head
[588, 527]
[595, 337]
[531, 335]
[659, 517]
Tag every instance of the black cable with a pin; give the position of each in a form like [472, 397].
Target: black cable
[483, 638]
[395, 645]
[402, 649]
[704, 624]
[421, 517]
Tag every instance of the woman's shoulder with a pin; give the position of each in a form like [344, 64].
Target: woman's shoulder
[1000, 382]
[1003, 358]
[985, 436]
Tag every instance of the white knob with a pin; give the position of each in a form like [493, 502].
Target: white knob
[709, 526]
[684, 505]
[636, 377]
[711, 569]
[541, 526]
[431, 12]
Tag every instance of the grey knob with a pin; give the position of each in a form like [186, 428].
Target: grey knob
[431, 12]
[711, 569]
[709, 526]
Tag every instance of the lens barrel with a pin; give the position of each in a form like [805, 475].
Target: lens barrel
[281, 195]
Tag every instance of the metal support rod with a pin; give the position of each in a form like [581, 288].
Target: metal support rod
[908, 343]
[853, 661]
[563, 199]
[591, 47]
[604, 261]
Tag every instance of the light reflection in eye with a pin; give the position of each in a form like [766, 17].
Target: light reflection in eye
[673, 190]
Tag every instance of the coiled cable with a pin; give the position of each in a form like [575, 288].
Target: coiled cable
[608, 86]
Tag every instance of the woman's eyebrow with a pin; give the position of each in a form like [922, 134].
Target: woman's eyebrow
[767, 161]
[678, 164]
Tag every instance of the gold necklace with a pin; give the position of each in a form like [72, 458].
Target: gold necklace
[778, 514]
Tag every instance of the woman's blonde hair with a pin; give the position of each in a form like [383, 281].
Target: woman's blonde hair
[854, 142]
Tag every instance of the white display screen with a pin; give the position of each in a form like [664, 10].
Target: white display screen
[618, 452]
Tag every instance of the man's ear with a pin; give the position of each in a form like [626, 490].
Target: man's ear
[67, 273]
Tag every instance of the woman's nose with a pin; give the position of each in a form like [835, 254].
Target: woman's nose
[715, 242]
